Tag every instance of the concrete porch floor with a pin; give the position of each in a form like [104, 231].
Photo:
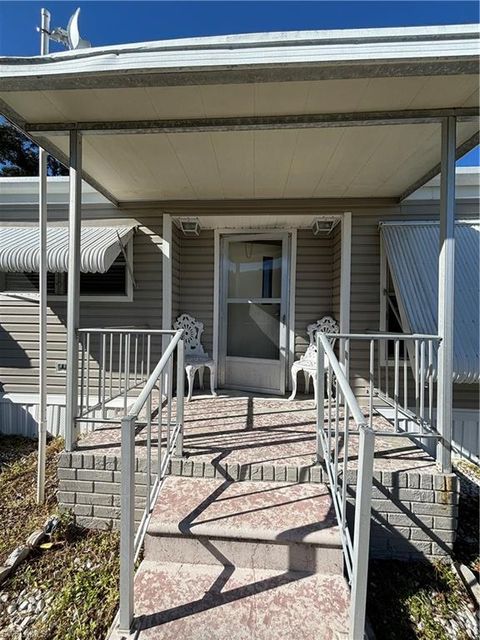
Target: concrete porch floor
[255, 434]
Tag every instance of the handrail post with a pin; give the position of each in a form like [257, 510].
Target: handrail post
[361, 542]
[127, 523]
[320, 395]
[180, 398]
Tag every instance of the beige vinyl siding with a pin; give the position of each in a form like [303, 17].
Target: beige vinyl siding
[314, 278]
[317, 282]
[19, 318]
[196, 281]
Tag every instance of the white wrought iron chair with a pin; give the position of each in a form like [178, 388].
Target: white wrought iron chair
[195, 357]
[308, 362]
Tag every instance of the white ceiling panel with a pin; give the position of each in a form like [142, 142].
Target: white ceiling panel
[275, 98]
[369, 161]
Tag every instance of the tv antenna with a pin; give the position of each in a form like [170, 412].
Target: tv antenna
[69, 37]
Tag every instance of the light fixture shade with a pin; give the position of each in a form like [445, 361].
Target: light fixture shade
[324, 225]
[190, 226]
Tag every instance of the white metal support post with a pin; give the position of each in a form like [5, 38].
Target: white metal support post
[345, 281]
[73, 300]
[42, 290]
[166, 277]
[446, 287]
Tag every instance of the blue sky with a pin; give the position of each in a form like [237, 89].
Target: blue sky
[117, 22]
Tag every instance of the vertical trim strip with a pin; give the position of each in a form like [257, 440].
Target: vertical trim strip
[292, 299]
[167, 248]
[345, 279]
[216, 298]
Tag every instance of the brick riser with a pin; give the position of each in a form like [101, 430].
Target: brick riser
[414, 514]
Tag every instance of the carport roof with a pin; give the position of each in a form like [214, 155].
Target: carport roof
[279, 115]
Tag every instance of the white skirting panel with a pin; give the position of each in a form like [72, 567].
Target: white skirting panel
[466, 434]
[19, 415]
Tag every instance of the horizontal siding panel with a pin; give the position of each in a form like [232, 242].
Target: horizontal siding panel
[317, 283]
[19, 318]
[313, 295]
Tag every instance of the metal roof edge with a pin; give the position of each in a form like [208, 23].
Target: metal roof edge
[432, 45]
[270, 38]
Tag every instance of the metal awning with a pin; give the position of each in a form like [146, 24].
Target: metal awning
[316, 114]
[412, 254]
[100, 246]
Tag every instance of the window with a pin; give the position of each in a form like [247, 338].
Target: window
[114, 283]
[393, 322]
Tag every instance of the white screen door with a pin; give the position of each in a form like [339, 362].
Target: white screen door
[253, 304]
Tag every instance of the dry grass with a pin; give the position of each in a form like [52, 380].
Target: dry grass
[418, 601]
[81, 573]
[19, 513]
[78, 574]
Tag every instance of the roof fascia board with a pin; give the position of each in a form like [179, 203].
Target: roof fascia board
[461, 150]
[302, 121]
[287, 72]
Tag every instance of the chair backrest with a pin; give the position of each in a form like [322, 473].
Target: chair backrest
[326, 325]
[192, 333]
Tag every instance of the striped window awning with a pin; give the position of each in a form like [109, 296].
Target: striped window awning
[412, 254]
[99, 247]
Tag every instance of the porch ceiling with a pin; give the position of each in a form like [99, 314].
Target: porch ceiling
[188, 151]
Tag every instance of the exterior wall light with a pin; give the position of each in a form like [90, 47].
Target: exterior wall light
[190, 226]
[324, 225]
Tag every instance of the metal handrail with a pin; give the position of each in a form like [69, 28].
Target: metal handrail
[414, 370]
[123, 364]
[404, 380]
[130, 542]
[349, 396]
[355, 550]
[384, 336]
[126, 330]
[139, 403]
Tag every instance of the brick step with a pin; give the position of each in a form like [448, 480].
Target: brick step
[264, 471]
[175, 601]
[256, 525]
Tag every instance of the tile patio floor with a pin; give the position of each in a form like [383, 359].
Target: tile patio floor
[248, 429]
